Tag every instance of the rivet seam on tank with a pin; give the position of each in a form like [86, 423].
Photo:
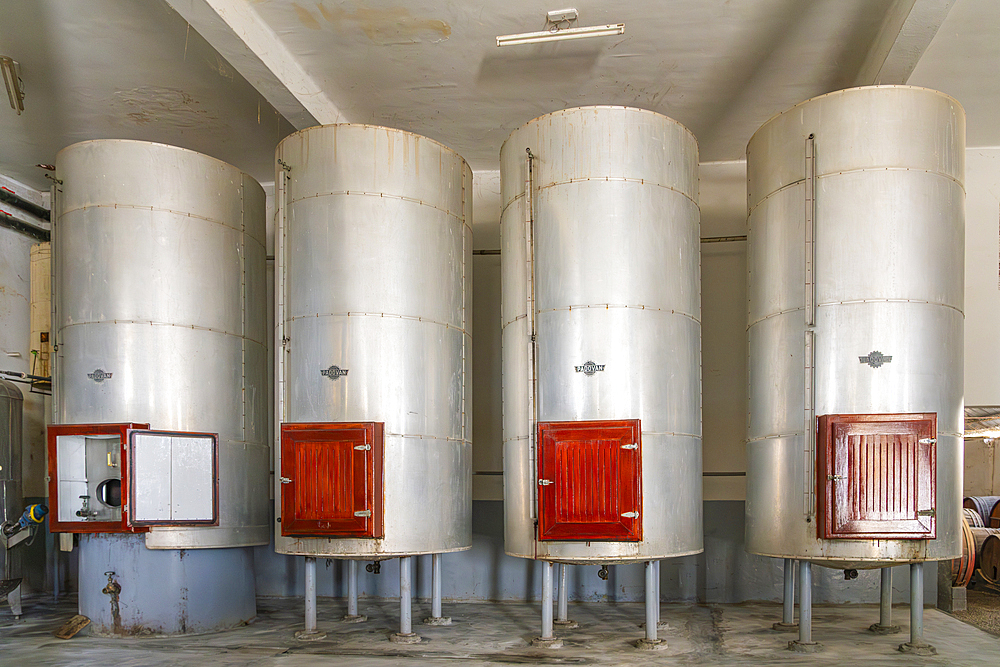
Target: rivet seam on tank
[99, 375]
[589, 368]
[333, 372]
[875, 359]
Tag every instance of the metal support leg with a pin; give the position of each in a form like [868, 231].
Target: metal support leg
[352, 594]
[656, 580]
[884, 625]
[562, 605]
[14, 600]
[436, 618]
[652, 611]
[805, 644]
[788, 623]
[917, 644]
[406, 635]
[310, 633]
[548, 639]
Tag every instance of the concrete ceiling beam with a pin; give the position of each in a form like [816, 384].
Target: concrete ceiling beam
[238, 33]
[906, 32]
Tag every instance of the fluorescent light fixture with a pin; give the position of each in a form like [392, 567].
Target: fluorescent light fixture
[12, 79]
[558, 35]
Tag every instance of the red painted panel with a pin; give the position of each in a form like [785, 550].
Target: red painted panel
[332, 479]
[56, 526]
[876, 476]
[589, 476]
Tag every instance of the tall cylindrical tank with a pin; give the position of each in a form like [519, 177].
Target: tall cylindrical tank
[11, 500]
[159, 317]
[601, 323]
[374, 295]
[855, 259]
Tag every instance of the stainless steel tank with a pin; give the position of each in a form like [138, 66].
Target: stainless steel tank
[11, 500]
[856, 227]
[613, 203]
[374, 277]
[159, 317]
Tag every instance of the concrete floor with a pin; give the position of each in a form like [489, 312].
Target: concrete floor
[498, 634]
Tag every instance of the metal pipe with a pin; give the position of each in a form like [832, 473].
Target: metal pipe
[547, 600]
[405, 594]
[436, 585]
[885, 599]
[8, 197]
[651, 601]
[310, 594]
[805, 602]
[352, 588]
[788, 601]
[656, 577]
[563, 602]
[916, 604]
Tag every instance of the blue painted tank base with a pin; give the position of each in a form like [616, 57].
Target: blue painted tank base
[163, 592]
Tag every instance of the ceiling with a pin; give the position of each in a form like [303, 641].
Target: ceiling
[245, 73]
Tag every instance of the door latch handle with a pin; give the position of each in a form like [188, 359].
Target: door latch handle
[630, 515]
[545, 482]
[285, 480]
[363, 448]
[363, 513]
[634, 445]
[836, 478]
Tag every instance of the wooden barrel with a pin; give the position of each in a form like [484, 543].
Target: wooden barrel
[982, 504]
[973, 518]
[963, 567]
[995, 516]
[989, 564]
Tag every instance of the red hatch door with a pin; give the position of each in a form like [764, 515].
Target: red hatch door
[590, 481]
[876, 476]
[331, 479]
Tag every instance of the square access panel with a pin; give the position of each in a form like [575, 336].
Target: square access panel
[88, 476]
[590, 481]
[876, 476]
[331, 479]
[174, 478]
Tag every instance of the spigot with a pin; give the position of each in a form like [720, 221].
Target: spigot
[85, 512]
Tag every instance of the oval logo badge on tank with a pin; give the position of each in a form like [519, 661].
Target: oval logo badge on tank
[589, 368]
[333, 372]
[875, 359]
[99, 375]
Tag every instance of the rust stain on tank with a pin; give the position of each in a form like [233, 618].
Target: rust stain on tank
[171, 106]
[387, 26]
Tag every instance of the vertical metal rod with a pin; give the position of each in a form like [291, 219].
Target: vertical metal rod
[352, 588]
[310, 594]
[805, 602]
[809, 343]
[55, 567]
[547, 600]
[651, 601]
[405, 594]
[563, 601]
[656, 575]
[436, 585]
[788, 601]
[885, 599]
[916, 604]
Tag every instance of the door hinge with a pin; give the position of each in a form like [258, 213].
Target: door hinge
[634, 445]
[927, 513]
[630, 515]
[927, 441]
[836, 478]
[363, 448]
[285, 480]
[365, 513]
[545, 482]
